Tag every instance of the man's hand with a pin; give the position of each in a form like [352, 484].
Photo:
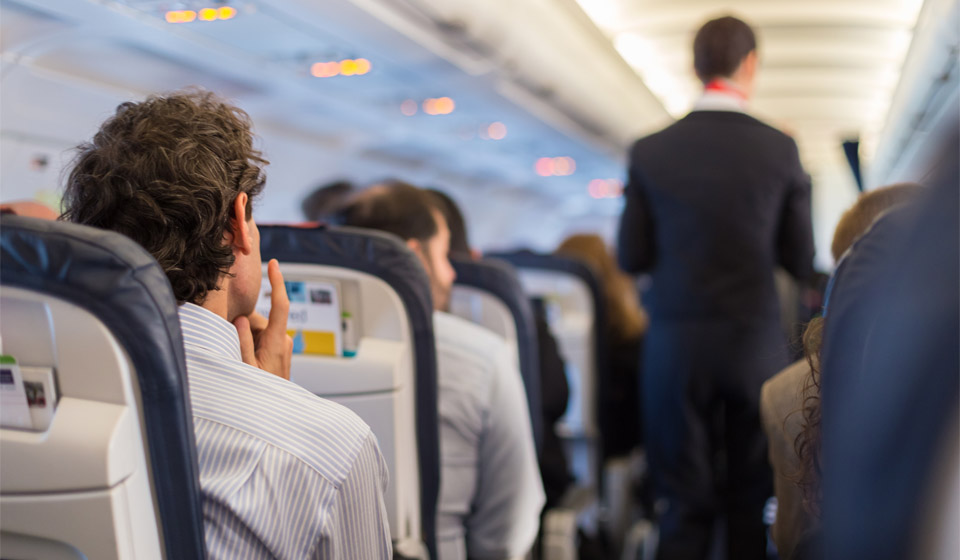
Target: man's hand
[264, 342]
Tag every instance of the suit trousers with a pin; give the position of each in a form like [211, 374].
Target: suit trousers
[705, 443]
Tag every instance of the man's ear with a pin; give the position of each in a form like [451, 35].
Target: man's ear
[415, 246]
[240, 228]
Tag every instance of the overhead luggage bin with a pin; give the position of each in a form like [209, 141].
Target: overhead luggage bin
[109, 471]
[489, 293]
[381, 363]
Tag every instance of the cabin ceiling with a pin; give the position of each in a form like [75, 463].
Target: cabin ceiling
[828, 68]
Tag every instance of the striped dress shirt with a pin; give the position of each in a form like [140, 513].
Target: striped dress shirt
[283, 473]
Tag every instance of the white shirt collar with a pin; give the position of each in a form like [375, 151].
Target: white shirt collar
[720, 101]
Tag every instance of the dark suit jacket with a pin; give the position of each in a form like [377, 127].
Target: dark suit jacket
[713, 203]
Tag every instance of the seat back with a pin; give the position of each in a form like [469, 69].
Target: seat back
[382, 362]
[489, 293]
[575, 311]
[105, 466]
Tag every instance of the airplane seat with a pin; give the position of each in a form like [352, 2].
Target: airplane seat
[489, 293]
[97, 451]
[574, 307]
[374, 354]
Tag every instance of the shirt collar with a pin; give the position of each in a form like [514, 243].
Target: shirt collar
[720, 100]
[207, 330]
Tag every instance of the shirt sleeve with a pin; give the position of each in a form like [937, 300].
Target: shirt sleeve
[505, 516]
[358, 527]
[635, 242]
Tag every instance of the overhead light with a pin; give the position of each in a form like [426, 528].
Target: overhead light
[564, 166]
[325, 69]
[438, 106]
[205, 14]
[544, 167]
[346, 67]
[557, 166]
[408, 107]
[605, 188]
[497, 131]
[180, 16]
[363, 66]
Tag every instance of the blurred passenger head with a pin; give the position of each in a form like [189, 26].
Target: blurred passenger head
[870, 206]
[411, 214]
[326, 200]
[627, 319]
[178, 174]
[722, 48]
[29, 208]
[459, 245]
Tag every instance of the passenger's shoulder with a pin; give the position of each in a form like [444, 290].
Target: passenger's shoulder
[450, 329]
[323, 434]
[784, 390]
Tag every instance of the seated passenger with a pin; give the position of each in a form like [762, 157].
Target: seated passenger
[490, 491]
[790, 400]
[554, 390]
[324, 202]
[283, 473]
[619, 387]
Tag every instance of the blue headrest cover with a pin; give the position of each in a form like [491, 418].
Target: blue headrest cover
[499, 279]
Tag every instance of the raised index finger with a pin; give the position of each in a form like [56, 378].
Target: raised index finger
[279, 303]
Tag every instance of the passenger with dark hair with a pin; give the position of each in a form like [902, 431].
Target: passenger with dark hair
[790, 400]
[459, 245]
[283, 473]
[490, 490]
[713, 203]
[554, 390]
[326, 200]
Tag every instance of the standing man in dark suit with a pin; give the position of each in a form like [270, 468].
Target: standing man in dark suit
[714, 203]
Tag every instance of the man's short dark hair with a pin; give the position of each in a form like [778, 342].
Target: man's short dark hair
[720, 46]
[166, 172]
[459, 245]
[326, 200]
[394, 207]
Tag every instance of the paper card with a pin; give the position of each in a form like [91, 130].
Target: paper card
[14, 412]
[41, 392]
[314, 322]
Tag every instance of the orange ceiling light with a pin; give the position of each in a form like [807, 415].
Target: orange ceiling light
[497, 131]
[605, 188]
[555, 167]
[544, 167]
[363, 66]
[324, 69]
[564, 166]
[438, 106]
[205, 14]
[346, 67]
[180, 16]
